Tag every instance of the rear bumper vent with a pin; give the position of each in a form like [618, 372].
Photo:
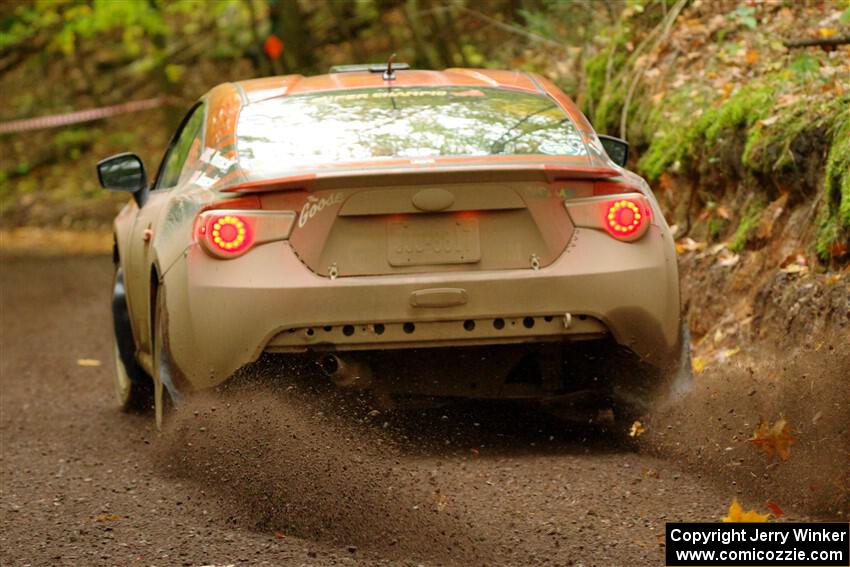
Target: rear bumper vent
[423, 334]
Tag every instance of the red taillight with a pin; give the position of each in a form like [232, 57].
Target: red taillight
[229, 233]
[625, 218]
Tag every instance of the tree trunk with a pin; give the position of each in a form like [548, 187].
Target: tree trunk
[290, 24]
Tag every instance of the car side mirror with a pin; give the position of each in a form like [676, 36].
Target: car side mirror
[617, 149]
[126, 173]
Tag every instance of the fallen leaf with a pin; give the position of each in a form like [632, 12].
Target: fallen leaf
[774, 509]
[752, 56]
[776, 439]
[107, 518]
[279, 535]
[786, 100]
[717, 248]
[728, 259]
[838, 249]
[718, 337]
[88, 362]
[689, 245]
[737, 514]
[728, 353]
[637, 429]
[827, 32]
[698, 364]
[794, 269]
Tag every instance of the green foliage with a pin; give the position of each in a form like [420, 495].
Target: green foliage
[804, 66]
[749, 220]
[745, 16]
[716, 226]
[594, 76]
[834, 216]
[604, 101]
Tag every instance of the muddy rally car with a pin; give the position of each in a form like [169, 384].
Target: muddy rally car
[453, 234]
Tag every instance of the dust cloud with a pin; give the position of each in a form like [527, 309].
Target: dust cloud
[711, 428]
[307, 464]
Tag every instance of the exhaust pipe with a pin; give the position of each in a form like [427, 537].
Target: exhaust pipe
[346, 373]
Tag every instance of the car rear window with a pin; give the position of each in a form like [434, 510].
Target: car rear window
[376, 124]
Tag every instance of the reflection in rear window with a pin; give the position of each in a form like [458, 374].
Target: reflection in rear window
[373, 124]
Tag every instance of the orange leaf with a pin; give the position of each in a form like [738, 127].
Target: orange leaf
[637, 429]
[776, 439]
[774, 509]
[107, 518]
[838, 249]
[752, 56]
[737, 514]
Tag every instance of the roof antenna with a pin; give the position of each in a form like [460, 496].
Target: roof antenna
[389, 74]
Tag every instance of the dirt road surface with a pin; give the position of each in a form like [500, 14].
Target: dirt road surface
[258, 478]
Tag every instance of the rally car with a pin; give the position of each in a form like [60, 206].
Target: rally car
[452, 234]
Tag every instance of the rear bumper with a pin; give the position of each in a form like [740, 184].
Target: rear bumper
[224, 314]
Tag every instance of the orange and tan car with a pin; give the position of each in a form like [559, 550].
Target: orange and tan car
[457, 233]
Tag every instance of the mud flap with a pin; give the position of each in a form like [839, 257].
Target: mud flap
[638, 388]
[163, 369]
[682, 375]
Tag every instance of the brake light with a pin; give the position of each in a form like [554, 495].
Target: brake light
[231, 233]
[624, 218]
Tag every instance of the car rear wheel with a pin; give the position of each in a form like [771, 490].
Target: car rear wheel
[133, 387]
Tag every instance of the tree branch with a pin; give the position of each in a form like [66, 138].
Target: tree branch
[818, 41]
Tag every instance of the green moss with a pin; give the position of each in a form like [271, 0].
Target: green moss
[834, 216]
[716, 226]
[743, 109]
[594, 72]
[750, 219]
[670, 133]
[604, 101]
[675, 141]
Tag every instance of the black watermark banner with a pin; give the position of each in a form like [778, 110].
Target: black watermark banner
[758, 544]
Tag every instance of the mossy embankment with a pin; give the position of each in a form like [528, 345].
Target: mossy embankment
[746, 142]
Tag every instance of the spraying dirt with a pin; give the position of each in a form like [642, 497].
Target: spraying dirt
[713, 429]
[282, 463]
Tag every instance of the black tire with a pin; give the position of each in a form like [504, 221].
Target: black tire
[133, 386]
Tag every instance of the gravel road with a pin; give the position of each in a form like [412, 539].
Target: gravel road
[269, 479]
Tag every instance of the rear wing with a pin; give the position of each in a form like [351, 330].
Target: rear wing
[443, 173]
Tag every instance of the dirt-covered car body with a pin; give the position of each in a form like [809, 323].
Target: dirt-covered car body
[352, 214]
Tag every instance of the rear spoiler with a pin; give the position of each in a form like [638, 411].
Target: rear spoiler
[400, 176]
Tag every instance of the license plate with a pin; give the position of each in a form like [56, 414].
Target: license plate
[420, 241]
